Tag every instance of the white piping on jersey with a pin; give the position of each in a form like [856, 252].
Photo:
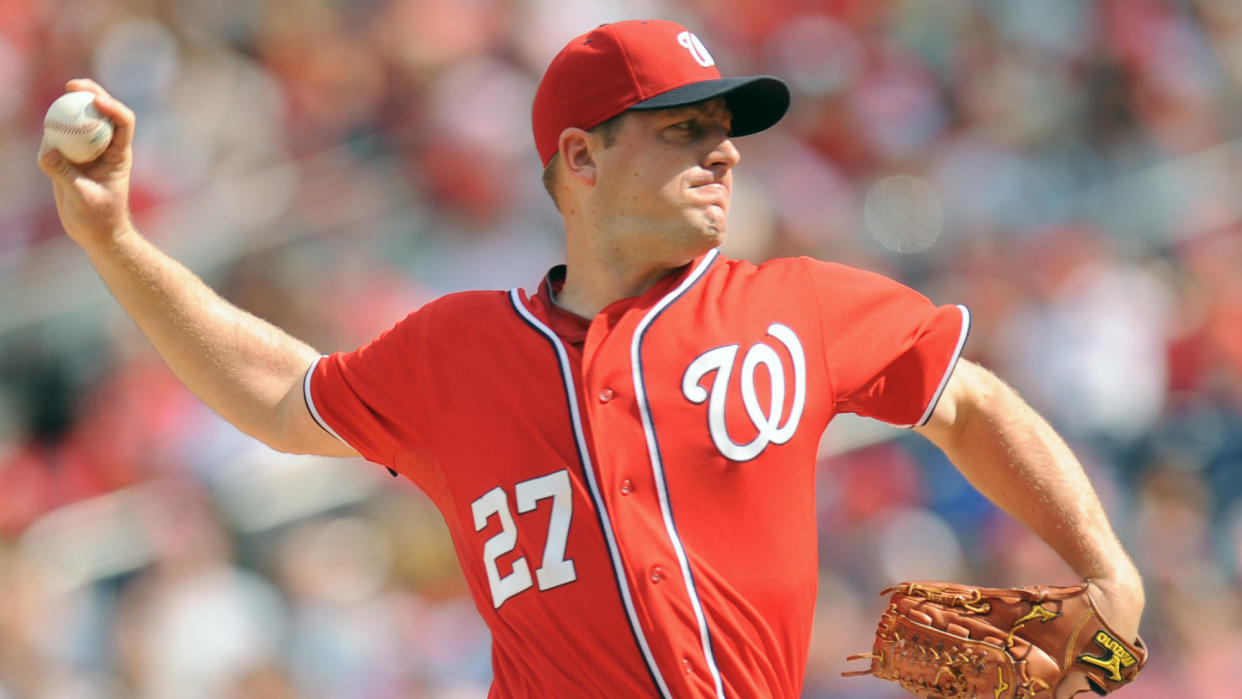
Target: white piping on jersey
[657, 466]
[571, 395]
[944, 380]
[310, 403]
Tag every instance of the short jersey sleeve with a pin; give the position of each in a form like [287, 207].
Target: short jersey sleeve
[889, 350]
[366, 398]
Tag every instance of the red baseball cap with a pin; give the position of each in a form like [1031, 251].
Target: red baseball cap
[643, 64]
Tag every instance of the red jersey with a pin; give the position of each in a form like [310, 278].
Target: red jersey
[631, 498]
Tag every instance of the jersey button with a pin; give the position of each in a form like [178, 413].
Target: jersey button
[657, 574]
[687, 666]
[606, 395]
[627, 486]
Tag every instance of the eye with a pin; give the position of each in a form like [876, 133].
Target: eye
[688, 126]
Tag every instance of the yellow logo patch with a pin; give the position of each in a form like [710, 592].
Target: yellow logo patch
[1037, 613]
[1001, 684]
[1116, 656]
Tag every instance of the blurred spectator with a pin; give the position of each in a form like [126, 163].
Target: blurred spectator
[193, 624]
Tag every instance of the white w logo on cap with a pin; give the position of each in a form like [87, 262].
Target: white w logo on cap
[696, 48]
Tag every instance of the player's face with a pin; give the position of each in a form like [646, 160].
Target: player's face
[666, 182]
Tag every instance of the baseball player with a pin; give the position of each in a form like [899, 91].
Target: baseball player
[624, 456]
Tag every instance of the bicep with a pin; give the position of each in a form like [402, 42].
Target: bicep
[300, 432]
[968, 387]
[992, 436]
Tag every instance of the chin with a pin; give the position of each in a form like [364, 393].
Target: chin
[699, 233]
[716, 227]
[711, 238]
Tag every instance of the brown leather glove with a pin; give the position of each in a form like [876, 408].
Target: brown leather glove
[945, 640]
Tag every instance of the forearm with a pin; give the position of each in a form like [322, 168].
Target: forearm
[1015, 458]
[244, 368]
[239, 365]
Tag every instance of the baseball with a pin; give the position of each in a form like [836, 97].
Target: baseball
[75, 128]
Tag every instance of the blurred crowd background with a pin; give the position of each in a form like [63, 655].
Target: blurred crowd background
[330, 165]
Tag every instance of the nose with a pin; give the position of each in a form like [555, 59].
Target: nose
[724, 156]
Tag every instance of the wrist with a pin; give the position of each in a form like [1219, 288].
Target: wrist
[1121, 573]
[108, 238]
[1120, 602]
[1123, 586]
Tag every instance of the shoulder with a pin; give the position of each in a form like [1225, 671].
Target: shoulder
[801, 264]
[837, 293]
[464, 307]
[467, 301]
[452, 315]
[841, 282]
[792, 271]
[837, 272]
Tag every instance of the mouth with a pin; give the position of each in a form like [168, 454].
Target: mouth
[714, 191]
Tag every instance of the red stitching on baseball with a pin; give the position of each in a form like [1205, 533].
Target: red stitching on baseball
[69, 129]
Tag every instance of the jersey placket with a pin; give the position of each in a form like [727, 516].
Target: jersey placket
[631, 493]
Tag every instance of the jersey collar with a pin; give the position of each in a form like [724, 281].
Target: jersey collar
[572, 327]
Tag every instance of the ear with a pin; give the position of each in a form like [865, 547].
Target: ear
[577, 149]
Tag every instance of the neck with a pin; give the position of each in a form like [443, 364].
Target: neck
[596, 279]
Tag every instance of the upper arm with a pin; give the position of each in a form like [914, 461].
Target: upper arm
[969, 387]
[300, 432]
[377, 399]
[887, 347]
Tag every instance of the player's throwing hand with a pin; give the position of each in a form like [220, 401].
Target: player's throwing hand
[91, 198]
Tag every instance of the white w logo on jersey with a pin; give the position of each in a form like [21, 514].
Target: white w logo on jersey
[721, 360]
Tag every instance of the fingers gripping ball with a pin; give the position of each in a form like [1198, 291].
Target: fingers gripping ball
[75, 128]
[944, 640]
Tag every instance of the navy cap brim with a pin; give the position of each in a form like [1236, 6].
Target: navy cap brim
[756, 102]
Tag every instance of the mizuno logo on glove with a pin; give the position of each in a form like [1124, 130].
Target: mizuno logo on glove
[1115, 658]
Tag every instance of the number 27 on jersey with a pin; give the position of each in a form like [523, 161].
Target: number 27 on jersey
[554, 570]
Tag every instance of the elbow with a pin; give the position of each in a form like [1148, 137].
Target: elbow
[285, 446]
[284, 433]
[273, 434]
